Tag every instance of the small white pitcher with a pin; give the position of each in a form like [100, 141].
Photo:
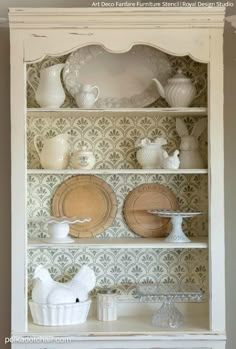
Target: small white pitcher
[86, 98]
[55, 152]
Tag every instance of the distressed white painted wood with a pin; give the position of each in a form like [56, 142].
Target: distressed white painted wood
[185, 43]
[201, 111]
[79, 28]
[18, 188]
[123, 343]
[117, 171]
[197, 32]
[216, 183]
[124, 243]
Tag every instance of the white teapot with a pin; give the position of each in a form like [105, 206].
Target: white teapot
[55, 152]
[150, 154]
[86, 97]
[179, 91]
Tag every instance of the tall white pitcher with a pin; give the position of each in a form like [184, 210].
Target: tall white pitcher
[55, 152]
[50, 92]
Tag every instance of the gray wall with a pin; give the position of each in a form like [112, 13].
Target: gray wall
[230, 163]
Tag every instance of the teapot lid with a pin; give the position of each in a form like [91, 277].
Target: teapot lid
[179, 76]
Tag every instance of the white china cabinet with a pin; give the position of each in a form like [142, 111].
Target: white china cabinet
[138, 40]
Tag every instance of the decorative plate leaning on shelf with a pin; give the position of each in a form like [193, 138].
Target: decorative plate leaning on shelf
[124, 80]
[144, 198]
[86, 196]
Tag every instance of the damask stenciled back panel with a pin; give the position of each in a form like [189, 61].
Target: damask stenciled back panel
[124, 268]
[190, 190]
[110, 135]
[190, 68]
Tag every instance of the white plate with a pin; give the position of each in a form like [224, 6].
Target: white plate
[58, 241]
[124, 79]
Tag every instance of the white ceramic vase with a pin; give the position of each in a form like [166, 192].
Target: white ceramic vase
[107, 305]
[55, 152]
[50, 92]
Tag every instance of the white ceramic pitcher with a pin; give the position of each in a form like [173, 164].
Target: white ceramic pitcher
[86, 97]
[50, 92]
[55, 152]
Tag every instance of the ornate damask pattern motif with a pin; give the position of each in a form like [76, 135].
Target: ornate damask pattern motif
[191, 192]
[192, 69]
[124, 268]
[111, 135]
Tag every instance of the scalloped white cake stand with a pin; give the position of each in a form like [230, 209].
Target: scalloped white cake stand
[176, 234]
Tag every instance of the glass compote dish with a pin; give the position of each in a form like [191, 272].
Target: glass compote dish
[168, 314]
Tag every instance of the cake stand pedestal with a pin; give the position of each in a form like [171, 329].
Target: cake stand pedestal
[168, 314]
[176, 234]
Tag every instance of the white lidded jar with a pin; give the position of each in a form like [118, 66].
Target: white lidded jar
[83, 159]
[107, 304]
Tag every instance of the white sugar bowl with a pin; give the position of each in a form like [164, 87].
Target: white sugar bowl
[150, 154]
[83, 159]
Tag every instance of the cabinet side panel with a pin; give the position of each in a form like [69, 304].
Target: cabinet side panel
[216, 173]
[18, 154]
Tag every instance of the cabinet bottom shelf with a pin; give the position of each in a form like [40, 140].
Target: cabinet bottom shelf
[125, 325]
[128, 328]
[137, 322]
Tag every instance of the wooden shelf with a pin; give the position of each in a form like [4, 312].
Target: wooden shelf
[201, 111]
[137, 243]
[117, 171]
[127, 326]
[134, 321]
